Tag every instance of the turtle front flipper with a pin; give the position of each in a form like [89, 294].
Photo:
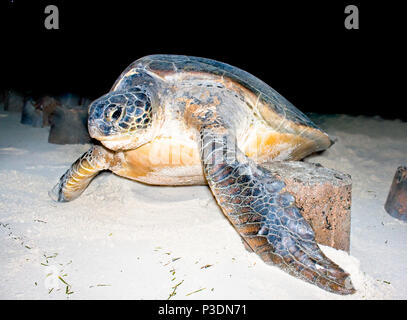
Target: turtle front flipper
[264, 214]
[82, 171]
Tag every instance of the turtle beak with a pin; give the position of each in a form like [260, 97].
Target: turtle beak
[93, 131]
[100, 131]
[95, 128]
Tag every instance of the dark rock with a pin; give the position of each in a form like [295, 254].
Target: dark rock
[47, 104]
[69, 125]
[396, 203]
[31, 115]
[69, 99]
[14, 101]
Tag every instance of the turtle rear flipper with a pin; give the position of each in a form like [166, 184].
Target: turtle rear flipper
[256, 203]
[78, 176]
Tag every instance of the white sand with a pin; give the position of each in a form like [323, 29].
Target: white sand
[121, 239]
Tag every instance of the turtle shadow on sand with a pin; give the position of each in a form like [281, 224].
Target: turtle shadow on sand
[150, 193]
[167, 194]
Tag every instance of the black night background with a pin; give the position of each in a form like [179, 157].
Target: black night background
[301, 49]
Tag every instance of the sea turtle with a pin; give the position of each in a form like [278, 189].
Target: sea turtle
[183, 120]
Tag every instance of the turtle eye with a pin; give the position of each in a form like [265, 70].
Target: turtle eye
[114, 112]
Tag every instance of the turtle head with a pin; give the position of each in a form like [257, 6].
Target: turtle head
[123, 119]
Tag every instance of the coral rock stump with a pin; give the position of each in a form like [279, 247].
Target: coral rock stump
[31, 115]
[69, 125]
[47, 105]
[323, 196]
[14, 101]
[396, 203]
